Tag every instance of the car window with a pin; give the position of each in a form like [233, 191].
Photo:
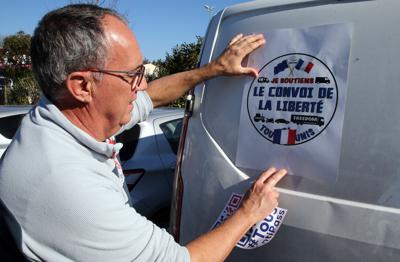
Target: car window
[129, 138]
[172, 131]
[9, 125]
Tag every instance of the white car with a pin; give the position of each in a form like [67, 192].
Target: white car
[148, 159]
[10, 118]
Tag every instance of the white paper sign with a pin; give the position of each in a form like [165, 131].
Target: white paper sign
[292, 114]
[259, 234]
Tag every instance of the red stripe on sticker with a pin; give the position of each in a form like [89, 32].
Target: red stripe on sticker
[309, 67]
[292, 137]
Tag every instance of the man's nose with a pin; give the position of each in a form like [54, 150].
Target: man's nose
[143, 85]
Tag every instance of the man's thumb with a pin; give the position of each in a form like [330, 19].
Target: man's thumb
[250, 71]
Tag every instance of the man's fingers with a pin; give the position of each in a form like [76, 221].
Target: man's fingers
[249, 38]
[250, 71]
[235, 39]
[276, 177]
[265, 175]
[231, 61]
[247, 43]
[271, 176]
[250, 42]
[250, 47]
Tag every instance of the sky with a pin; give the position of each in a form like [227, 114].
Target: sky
[159, 25]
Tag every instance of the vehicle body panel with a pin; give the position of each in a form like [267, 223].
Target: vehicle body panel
[351, 219]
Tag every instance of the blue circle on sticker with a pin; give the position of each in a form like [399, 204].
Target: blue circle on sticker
[293, 100]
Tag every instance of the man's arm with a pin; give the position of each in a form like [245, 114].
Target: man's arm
[259, 201]
[167, 89]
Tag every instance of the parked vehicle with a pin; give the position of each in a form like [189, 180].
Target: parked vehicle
[148, 159]
[355, 217]
[10, 118]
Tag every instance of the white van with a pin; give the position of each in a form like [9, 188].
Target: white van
[343, 202]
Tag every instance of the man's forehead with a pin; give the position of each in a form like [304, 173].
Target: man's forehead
[117, 31]
[121, 39]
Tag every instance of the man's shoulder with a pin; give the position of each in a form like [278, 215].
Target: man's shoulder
[35, 149]
[43, 155]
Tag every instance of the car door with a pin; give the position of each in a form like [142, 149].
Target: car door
[168, 130]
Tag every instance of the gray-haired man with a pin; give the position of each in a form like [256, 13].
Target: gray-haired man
[61, 187]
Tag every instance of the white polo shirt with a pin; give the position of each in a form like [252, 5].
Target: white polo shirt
[65, 203]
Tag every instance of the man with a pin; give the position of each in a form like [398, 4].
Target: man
[61, 186]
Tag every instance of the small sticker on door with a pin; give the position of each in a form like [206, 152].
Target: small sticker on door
[259, 234]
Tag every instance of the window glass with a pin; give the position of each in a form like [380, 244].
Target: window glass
[129, 138]
[172, 131]
[9, 125]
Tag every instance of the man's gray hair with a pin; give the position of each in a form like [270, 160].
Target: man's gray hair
[66, 40]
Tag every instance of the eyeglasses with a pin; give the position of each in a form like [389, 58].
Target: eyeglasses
[133, 77]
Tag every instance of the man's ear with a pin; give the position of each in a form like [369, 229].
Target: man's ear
[80, 85]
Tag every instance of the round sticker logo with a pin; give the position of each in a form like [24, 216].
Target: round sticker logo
[293, 100]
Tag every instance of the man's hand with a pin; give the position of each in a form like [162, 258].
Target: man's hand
[166, 89]
[259, 202]
[262, 198]
[230, 62]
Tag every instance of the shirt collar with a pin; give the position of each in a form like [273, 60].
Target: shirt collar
[46, 110]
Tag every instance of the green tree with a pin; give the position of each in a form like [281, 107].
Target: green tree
[17, 48]
[15, 54]
[182, 58]
[23, 92]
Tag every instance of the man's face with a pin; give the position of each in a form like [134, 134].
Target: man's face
[113, 96]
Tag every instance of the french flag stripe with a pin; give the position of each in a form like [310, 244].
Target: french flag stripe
[277, 136]
[291, 137]
[299, 64]
[284, 136]
[309, 67]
